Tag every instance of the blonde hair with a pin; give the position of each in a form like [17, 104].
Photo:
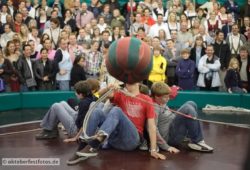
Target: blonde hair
[160, 88]
[172, 13]
[232, 62]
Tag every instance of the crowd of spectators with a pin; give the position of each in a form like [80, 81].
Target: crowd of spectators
[53, 47]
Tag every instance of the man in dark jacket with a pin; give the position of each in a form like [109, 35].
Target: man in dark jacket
[43, 71]
[25, 67]
[222, 50]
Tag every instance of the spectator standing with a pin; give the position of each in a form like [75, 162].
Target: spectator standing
[69, 20]
[118, 20]
[62, 65]
[84, 17]
[95, 7]
[51, 52]
[172, 55]
[157, 73]
[74, 49]
[54, 32]
[173, 24]
[25, 67]
[244, 64]
[235, 40]
[222, 50]
[77, 73]
[222, 15]
[43, 70]
[25, 15]
[227, 28]
[4, 12]
[209, 66]
[213, 24]
[6, 36]
[23, 34]
[184, 36]
[138, 24]
[6, 70]
[76, 8]
[207, 39]
[106, 14]
[147, 18]
[93, 61]
[200, 16]
[41, 20]
[245, 27]
[11, 54]
[154, 29]
[160, 10]
[102, 25]
[196, 53]
[185, 70]
[11, 7]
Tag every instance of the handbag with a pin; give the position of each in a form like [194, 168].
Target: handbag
[31, 82]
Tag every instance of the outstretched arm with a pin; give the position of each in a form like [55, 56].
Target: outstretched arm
[152, 136]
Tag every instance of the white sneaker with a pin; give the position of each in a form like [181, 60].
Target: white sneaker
[200, 146]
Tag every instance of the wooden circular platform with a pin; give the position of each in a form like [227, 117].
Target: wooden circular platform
[230, 145]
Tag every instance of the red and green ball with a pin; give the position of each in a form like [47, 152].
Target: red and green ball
[130, 60]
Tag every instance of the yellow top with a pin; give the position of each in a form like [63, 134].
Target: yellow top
[157, 73]
[96, 94]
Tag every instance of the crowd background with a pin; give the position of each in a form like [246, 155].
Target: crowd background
[196, 45]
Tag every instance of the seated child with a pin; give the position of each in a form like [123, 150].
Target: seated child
[232, 79]
[70, 118]
[174, 128]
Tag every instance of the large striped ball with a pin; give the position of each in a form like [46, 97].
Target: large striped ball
[129, 60]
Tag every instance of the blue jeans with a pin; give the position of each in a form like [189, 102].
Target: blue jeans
[60, 112]
[120, 131]
[182, 127]
[63, 85]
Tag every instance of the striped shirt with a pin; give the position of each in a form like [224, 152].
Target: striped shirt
[93, 63]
